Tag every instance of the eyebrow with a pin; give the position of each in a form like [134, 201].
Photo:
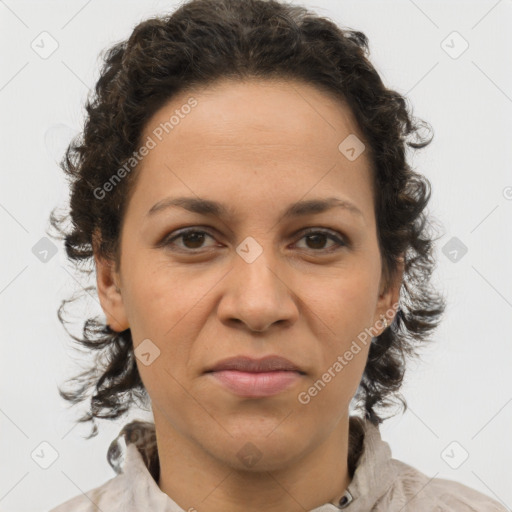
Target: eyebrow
[214, 208]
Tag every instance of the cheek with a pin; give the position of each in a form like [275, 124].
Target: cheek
[348, 313]
[329, 394]
[167, 307]
[157, 296]
[346, 304]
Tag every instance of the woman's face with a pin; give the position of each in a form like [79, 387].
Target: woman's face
[248, 280]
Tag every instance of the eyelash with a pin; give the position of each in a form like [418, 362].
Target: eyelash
[341, 241]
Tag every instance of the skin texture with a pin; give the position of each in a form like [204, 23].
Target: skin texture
[257, 146]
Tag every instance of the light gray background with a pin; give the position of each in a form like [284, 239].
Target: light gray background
[461, 390]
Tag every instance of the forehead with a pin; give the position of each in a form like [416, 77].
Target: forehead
[278, 138]
[251, 113]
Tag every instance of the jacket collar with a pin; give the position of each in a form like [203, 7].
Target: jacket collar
[374, 473]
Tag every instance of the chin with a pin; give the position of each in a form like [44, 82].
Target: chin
[256, 450]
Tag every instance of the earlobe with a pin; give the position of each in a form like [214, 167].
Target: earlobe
[109, 293]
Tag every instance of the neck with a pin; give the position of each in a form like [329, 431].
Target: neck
[195, 479]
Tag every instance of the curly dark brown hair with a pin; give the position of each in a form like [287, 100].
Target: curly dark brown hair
[204, 41]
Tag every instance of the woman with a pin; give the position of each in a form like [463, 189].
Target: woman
[263, 258]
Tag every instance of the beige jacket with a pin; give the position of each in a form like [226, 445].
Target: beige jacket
[379, 484]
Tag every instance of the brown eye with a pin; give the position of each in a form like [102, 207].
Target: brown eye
[192, 239]
[317, 239]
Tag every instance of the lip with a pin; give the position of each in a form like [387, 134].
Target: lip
[256, 384]
[249, 364]
[256, 378]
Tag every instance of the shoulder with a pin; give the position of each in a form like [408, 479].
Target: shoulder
[133, 479]
[107, 496]
[420, 492]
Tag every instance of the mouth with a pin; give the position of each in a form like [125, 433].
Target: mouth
[256, 378]
[247, 364]
[256, 384]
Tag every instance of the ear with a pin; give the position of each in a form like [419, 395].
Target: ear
[387, 305]
[109, 293]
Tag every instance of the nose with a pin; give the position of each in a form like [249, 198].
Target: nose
[257, 295]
